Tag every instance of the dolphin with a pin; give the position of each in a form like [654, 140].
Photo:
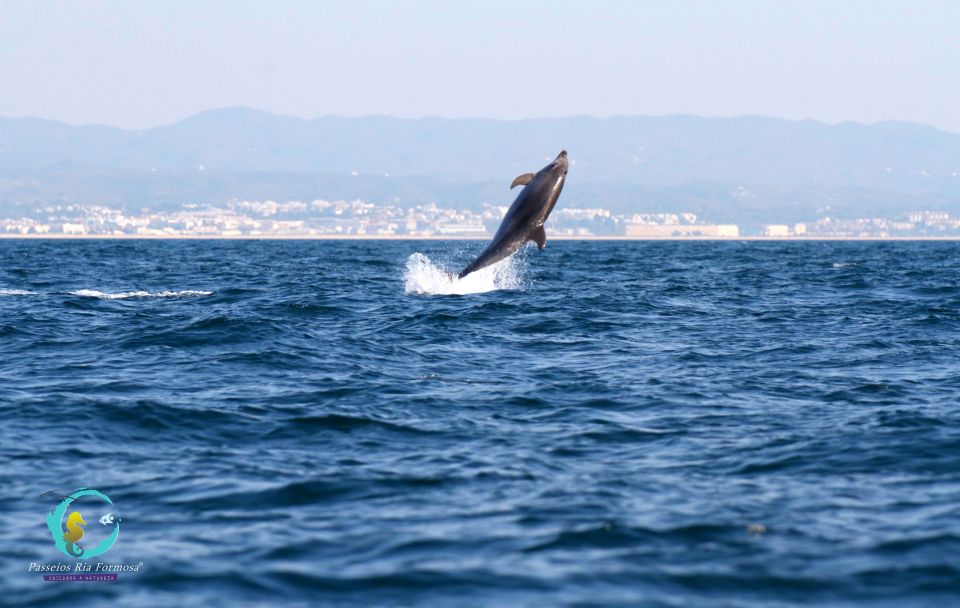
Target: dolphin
[524, 220]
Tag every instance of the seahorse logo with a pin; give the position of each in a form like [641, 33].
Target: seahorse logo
[67, 529]
[74, 533]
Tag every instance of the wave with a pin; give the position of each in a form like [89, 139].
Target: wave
[424, 277]
[16, 292]
[92, 293]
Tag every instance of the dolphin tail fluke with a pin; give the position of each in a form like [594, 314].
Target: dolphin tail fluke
[539, 237]
[522, 180]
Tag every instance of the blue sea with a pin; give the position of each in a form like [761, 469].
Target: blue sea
[338, 423]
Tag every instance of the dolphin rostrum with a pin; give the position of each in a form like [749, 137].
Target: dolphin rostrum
[524, 220]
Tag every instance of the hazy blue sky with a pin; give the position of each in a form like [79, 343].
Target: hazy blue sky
[137, 64]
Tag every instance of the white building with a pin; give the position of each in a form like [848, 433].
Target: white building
[74, 229]
[776, 230]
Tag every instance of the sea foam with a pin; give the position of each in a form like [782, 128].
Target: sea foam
[16, 292]
[422, 276]
[92, 293]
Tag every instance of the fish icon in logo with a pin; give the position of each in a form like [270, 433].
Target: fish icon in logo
[68, 529]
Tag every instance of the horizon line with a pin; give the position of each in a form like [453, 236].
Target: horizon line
[374, 237]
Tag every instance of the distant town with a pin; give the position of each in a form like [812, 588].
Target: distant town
[358, 219]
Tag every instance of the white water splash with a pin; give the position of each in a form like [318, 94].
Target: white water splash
[92, 293]
[844, 264]
[16, 292]
[422, 276]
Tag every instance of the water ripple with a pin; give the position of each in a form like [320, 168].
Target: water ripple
[601, 423]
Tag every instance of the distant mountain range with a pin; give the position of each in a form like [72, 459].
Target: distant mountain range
[744, 170]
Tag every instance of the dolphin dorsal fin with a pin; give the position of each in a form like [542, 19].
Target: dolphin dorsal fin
[522, 180]
[539, 237]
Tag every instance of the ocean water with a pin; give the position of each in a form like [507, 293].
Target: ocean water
[716, 424]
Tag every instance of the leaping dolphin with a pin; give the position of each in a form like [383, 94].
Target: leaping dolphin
[524, 220]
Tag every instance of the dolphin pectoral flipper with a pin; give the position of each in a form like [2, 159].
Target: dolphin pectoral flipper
[539, 237]
[522, 180]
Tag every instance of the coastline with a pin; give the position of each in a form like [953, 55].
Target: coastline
[332, 237]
